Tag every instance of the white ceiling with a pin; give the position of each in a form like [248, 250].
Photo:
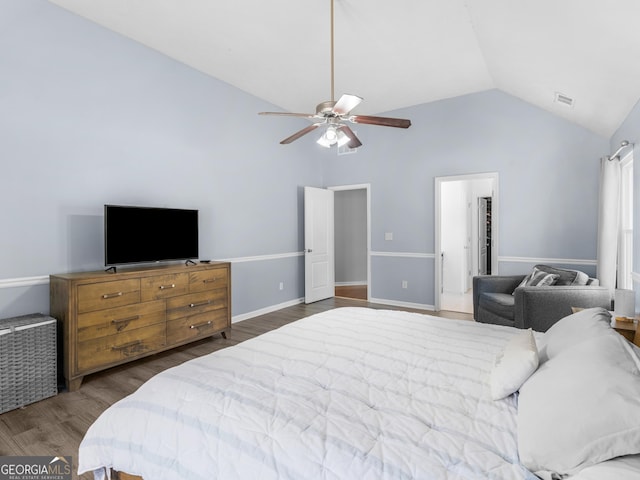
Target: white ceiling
[400, 53]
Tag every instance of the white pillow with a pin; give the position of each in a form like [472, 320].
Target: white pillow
[581, 407]
[517, 361]
[572, 330]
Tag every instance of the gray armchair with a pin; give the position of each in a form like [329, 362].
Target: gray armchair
[499, 300]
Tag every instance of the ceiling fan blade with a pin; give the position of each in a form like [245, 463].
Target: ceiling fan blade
[346, 103]
[289, 114]
[383, 121]
[354, 142]
[300, 133]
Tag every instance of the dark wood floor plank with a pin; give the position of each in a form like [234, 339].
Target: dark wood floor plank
[56, 426]
[352, 291]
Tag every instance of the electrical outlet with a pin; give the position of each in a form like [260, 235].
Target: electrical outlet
[281, 285]
[388, 235]
[405, 284]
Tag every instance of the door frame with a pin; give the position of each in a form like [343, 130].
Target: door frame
[367, 188]
[438, 225]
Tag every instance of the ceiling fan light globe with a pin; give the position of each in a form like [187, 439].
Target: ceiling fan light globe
[342, 139]
[329, 137]
[324, 141]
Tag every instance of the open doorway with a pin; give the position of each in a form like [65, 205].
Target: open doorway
[466, 237]
[352, 244]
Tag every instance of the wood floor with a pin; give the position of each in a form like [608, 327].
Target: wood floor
[352, 291]
[55, 426]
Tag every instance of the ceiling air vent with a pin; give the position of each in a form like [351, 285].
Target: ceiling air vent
[564, 99]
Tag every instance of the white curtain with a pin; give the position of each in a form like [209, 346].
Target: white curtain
[608, 221]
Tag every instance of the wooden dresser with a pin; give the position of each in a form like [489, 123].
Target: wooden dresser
[112, 318]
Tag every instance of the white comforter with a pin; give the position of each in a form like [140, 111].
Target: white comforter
[351, 393]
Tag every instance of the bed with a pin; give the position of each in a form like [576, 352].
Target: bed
[358, 393]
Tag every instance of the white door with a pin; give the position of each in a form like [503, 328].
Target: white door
[319, 256]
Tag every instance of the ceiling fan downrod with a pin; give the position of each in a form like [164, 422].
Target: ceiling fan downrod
[333, 114]
[332, 59]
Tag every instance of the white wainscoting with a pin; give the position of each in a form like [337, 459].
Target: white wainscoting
[563, 261]
[260, 258]
[24, 281]
[44, 279]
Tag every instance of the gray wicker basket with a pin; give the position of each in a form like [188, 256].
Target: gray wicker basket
[28, 360]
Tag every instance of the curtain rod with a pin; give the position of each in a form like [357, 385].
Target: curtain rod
[624, 144]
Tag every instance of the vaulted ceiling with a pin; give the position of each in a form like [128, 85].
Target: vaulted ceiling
[400, 53]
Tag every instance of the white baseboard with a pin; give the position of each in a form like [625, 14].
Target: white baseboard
[394, 303]
[403, 254]
[362, 283]
[264, 311]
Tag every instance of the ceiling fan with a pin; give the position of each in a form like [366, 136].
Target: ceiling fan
[333, 116]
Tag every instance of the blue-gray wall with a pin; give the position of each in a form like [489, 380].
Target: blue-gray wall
[548, 186]
[88, 117]
[350, 229]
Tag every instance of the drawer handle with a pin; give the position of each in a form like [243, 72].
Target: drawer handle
[162, 287]
[122, 323]
[127, 345]
[112, 295]
[209, 280]
[201, 324]
[201, 304]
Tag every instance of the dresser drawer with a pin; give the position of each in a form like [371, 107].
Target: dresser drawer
[208, 279]
[102, 323]
[108, 319]
[193, 303]
[196, 326]
[98, 296]
[113, 349]
[164, 286]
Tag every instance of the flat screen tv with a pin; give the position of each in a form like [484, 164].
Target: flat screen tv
[149, 234]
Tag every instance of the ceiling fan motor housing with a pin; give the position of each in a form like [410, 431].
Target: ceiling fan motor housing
[326, 108]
